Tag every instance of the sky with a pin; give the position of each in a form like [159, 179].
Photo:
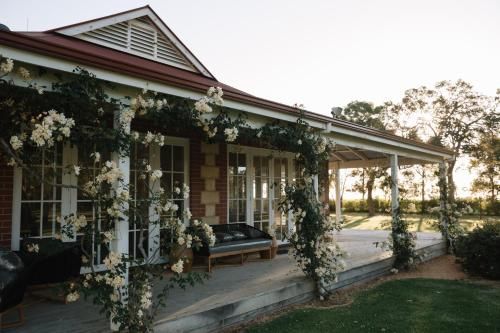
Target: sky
[317, 53]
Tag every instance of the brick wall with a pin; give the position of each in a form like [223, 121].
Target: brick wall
[6, 186]
[208, 181]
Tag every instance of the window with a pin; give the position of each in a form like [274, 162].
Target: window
[174, 165]
[280, 179]
[266, 172]
[261, 192]
[89, 171]
[139, 193]
[41, 200]
[37, 205]
[237, 196]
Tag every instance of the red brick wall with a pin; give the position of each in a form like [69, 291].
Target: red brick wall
[6, 187]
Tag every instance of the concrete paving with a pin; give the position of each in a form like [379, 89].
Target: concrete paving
[227, 287]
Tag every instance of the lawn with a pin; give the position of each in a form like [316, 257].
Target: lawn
[411, 305]
[417, 222]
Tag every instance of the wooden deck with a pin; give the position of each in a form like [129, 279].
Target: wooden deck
[222, 300]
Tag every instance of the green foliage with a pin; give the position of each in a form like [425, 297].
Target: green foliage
[479, 206]
[480, 250]
[402, 242]
[411, 305]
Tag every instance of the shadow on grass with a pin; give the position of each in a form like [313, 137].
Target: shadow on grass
[356, 223]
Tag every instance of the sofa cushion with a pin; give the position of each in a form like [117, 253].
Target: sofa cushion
[240, 245]
[238, 235]
[223, 237]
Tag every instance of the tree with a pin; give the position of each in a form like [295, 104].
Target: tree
[452, 114]
[485, 158]
[366, 114]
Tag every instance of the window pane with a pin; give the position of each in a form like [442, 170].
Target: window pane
[178, 180]
[31, 188]
[233, 210]
[50, 213]
[166, 158]
[242, 211]
[257, 166]
[178, 158]
[30, 220]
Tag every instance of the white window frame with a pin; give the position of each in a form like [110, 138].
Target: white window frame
[69, 195]
[250, 152]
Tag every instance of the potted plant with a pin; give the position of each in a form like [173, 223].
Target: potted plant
[181, 240]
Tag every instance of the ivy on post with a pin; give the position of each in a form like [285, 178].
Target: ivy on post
[394, 187]
[444, 219]
[121, 244]
[402, 242]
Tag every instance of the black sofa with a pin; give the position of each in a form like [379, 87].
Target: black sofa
[235, 239]
[56, 262]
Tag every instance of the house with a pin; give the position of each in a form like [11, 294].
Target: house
[229, 183]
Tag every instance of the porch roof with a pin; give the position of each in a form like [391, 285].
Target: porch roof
[53, 44]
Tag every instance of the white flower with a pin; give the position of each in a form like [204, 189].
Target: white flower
[299, 142]
[108, 236]
[178, 267]
[115, 296]
[33, 248]
[12, 162]
[24, 73]
[126, 119]
[96, 156]
[112, 261]
[177, 190]
[156, 175]
[149, 137]
[7, 66]
[76, 169]
[135, 135]
[202, 105]
[72, 297]
[231, 134]
[187, 213]
[16, 143]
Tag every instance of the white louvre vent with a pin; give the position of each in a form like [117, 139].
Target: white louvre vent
[139, 37]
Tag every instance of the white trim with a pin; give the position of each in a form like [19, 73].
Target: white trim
[250, 153]
[340, 135]
[145, 11]
[16, 209]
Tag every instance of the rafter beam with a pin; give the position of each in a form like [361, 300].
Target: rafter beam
[358, 154]
[338, 156]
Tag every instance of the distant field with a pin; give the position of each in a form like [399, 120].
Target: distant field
[418, 222]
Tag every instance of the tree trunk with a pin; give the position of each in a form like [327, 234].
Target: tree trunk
[363, 184]
[451, 182]
[422, 208]
[369, 190]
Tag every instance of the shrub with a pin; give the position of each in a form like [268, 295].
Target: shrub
[479, 206]
[479, 250]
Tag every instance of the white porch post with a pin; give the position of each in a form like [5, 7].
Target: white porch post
[121, 242]
[394, 184]
[316, 185]
[338, 208]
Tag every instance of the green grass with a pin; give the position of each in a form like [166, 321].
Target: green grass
[417, 222]
[412, 305]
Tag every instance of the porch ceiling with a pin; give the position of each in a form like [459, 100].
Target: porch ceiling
[345, 157]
